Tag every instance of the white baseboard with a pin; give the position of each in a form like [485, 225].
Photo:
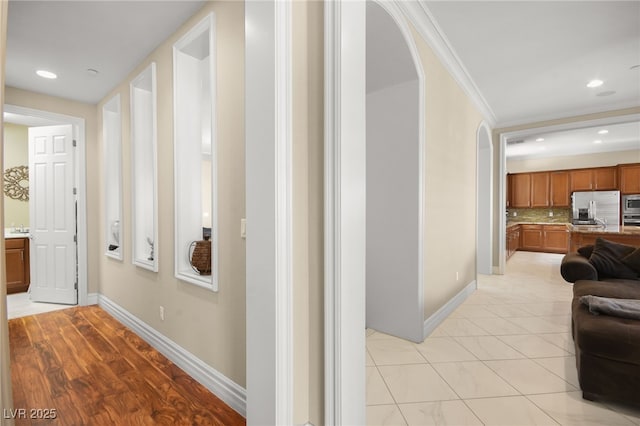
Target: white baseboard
[231, 393]
[92, 299]
[441, 314]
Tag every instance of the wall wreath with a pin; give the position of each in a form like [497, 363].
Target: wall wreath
[16, 183]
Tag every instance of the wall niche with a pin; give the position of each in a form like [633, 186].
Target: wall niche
[144, 170]
[112, 168]
[195, 166]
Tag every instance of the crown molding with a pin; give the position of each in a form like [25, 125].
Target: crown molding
[426, 25]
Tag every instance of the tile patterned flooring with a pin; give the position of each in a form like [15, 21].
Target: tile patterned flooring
[19, 305]
[504, 357]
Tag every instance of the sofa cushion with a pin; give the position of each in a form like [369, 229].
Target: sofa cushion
[632, 260]
[606, 336]
[586, 251]
[607, 259]
[619, 289]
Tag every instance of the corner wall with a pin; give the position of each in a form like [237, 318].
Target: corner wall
[450, 184]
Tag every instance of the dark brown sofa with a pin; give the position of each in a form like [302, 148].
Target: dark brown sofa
[607, 347]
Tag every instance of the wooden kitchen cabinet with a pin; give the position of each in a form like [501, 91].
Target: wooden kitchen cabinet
[521, 190]
[605, 178]
[594, 179]
[17, 259]
[513, 240]
[531, 237]
[540, 189]
[547, 238]
[509, 186]
[555, 238]
[559, 192]
[629, 178]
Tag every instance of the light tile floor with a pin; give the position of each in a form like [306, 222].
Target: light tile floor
[19, 305]
[504, 357]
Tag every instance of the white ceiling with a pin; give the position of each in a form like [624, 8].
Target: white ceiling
[70, 37]
[530, 60]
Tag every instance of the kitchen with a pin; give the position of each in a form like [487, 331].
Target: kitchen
[557, 184]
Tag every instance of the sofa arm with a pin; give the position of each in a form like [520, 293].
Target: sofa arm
[575, 267]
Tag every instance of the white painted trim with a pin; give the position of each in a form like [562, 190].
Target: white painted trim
[284, 212]
[447, 309]
[268, 128]
[79, 134]
[92, 298]
[345, 206]
[428, 28]
[220, 385]
[484, 127]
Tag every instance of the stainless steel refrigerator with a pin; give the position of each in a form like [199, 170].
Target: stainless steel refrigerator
[596, 207]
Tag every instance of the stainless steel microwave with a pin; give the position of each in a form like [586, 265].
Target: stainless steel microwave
[631, 204]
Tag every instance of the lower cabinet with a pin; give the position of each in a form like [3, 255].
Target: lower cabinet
[544, 238]
[513, 240]
[17, 258]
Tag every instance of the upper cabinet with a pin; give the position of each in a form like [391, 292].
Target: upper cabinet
[559, 193]
[540, 189]
[630, 178]
[594, 179]
[554, 188]
[521, 190]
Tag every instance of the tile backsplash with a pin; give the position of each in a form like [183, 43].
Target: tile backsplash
[540, 215]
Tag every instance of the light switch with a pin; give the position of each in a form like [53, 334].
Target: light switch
[243, 228]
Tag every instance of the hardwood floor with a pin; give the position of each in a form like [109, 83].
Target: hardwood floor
[82, 367]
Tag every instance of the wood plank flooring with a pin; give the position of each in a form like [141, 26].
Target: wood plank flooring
[82, 367]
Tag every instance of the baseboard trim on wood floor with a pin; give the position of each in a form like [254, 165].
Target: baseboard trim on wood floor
[441, 314]
[224, 388]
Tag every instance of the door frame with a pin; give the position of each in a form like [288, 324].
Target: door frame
[80, 177]
[345, 207]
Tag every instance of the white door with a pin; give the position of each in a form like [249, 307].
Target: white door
[52, 215]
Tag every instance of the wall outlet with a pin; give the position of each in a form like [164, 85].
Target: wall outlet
[515, 214]
[243, 228]
[457, 276]
[550, 213]
[161, 313]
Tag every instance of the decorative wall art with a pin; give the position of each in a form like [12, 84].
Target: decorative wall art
[16, 183]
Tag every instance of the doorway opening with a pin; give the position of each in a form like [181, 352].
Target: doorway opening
[75, 274]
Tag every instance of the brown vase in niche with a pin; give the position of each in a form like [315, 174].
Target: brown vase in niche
[200, 258]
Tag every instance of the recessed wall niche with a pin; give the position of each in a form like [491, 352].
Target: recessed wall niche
[144, 174]
[195, 167]
[112, 170]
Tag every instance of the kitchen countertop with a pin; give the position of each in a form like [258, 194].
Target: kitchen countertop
[592, 229]
[513, 223]
[9, 234]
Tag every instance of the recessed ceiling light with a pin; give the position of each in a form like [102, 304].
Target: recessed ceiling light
[603, 132]
[597, 141]
[595, 83]
[46, 74]
[539, 139]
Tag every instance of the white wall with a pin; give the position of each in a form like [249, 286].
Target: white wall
[393, 299]
[603, 159]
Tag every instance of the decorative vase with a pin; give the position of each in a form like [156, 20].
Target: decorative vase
[200, 258]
